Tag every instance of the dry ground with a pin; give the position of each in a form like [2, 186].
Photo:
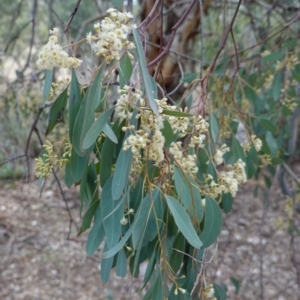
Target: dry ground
[37, 262]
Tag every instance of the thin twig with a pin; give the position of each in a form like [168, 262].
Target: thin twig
[148, 19]
[34, 13]
[201, 38]
[12, 159]
[172, 36]
[71, 220]
[72, 15]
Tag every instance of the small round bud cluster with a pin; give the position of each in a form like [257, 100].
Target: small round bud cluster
[111, 37]
[52, 55]
[45, 163]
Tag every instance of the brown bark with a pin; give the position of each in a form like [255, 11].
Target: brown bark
[167, 71]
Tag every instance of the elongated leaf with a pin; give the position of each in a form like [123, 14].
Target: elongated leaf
[106, 265]
[126, 70]
[111, 221]
[227, 202]
[77, 165]
[147, 220]
[88, 185]
[110, 133]
[121, 174]
[121, 268]
[106, 161]
[74, 103]
[176, 113]
[177, 256]
[107, 155]
[154, 87]
[88, 216]
[213, 127]
[96, 129]
[150, 267]
[220, 293]
[157, 292]
[85, 115]
[271, 143]
[167, 132]
[183, 222]
[68, 175]
[276, 86]
[188, 194]
[274, 56]
[237, 150]
[212, 222]
[120, 245]
[144, 72]
[96, 234]
[57, 111]
[47, 85]
[268, 125]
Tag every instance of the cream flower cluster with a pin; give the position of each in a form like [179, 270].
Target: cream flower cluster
[255, 141]
[127, 101]
[52, 55]
[149, 140]
[218, 157]
[186, 162]
[111, 35]
[228, 181]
